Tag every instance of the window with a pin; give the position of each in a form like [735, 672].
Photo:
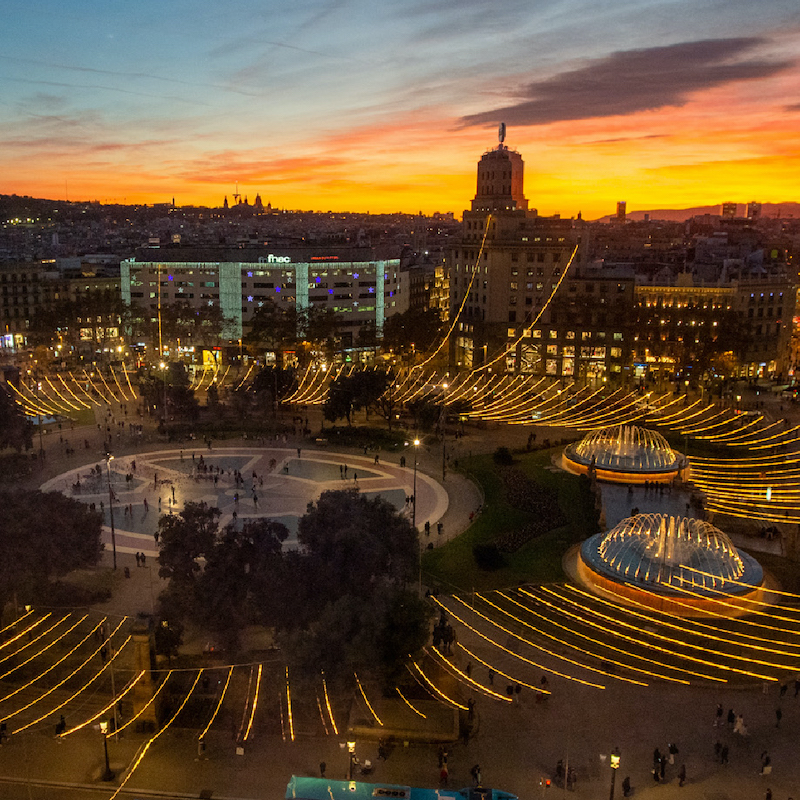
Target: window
[553, 334]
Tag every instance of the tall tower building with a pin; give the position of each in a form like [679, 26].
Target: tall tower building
[622, 211]
[505, 264]
[500, 180]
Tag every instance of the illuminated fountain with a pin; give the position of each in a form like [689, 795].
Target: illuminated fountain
[624, 454]
[675, 564]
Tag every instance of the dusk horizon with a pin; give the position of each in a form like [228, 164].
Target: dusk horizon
[384, 109]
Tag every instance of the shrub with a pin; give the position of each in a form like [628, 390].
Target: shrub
[488, 557]
[503, 457]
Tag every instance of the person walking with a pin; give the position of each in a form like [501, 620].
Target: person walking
[778, 717]
[682, 775]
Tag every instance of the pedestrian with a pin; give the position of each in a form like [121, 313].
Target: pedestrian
[682, 775]
[768, 795]
[796, 687]
[298, 452]
[784, 689]
[626, 786]
[443, 775]
[138, 559]
[718, 718]
[778, 717]
[731, 717]
[475, 772]
[146, 507]
[322, 767]
[723, 755]
[673, 751]
[355, 477]
[143, 557]
[491, 677]
[155, 536]
[376, 458]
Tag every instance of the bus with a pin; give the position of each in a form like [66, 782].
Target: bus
[300, 788]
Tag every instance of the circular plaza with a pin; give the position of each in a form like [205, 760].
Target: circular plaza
[242, 482]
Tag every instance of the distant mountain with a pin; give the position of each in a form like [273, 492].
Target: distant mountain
[781, 210]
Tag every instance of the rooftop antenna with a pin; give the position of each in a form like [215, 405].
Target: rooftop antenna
[501, 134]
[236, 194]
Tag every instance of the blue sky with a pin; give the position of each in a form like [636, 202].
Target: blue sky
[387, 106]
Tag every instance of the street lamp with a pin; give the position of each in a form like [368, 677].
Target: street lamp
[414, 490]
[614, 767]
[108, 775]
[351, 751]
[109, 459]
[444, 430]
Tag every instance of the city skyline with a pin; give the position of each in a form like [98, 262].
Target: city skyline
[353, 106]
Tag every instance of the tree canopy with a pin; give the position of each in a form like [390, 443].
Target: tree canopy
[43, 535]
[16, 430]
[340, 602]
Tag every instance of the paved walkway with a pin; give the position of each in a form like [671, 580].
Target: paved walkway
[515, 746]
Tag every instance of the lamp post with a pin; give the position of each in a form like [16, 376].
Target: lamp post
[351, 754]
[109, 459]
[614, 767]
[108, 775]
[39, 420]
[414, 490]
[444, 430]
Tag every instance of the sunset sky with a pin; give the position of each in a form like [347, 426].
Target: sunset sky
[369, 105]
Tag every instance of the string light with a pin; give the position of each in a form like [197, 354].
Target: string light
[255, 704]
[219, 704]
[71, 697]
[464, 678]
[105, 709]
[511, 652]
[44, 649]
[435, 688]
[54, 665]
[366, 700]
[145, 706]
[143, 751]
[289, 706]
[328, 704]
[26, 631]
[408, 703]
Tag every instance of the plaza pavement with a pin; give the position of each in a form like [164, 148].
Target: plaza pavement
[515, 746]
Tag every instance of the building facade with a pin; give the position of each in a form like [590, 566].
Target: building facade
[362, 286]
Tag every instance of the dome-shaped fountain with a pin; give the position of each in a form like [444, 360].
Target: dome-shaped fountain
[624, 454]
[675, 563]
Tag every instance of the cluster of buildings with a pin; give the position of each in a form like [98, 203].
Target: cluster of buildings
[610, 301]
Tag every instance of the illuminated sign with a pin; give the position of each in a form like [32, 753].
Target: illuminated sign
[273, 259]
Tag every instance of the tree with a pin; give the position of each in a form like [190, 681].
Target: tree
[354, 543]
[349, 393]
[273, 328]
[273, 383]
[44, 535]
[412, 330]
[16, 430]
[242, 582]
[184, 538]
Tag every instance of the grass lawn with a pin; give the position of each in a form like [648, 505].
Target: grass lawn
[453, 567]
